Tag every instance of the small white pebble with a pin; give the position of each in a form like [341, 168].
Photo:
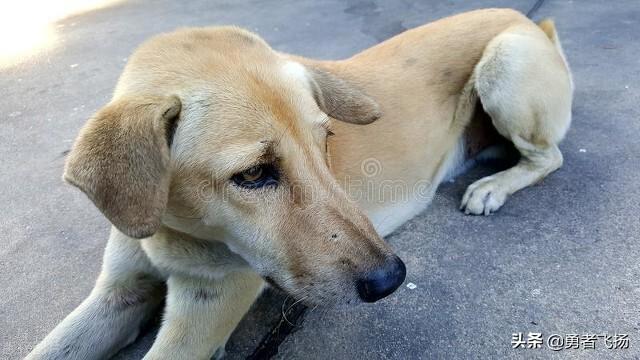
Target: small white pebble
[15, 113]
[411, 286]
[73, 65]
[536, 292]
[583, 150]
[626, 86]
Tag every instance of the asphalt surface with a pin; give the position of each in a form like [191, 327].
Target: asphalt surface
[559, 258]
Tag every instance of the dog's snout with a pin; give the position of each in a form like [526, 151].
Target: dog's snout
[381, 282]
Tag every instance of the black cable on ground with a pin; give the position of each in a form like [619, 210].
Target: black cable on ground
[268, 347]
[534, 8]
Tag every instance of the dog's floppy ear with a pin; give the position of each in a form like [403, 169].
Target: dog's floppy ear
[121, 161]
[340, 100]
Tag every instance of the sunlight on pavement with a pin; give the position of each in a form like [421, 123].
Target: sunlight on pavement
[28, 28]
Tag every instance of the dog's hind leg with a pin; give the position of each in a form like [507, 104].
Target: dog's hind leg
[524, 84]
[126, 295]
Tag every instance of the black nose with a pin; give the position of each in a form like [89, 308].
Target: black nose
[376, 284]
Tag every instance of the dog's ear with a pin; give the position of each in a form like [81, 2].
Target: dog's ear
[340, 100]
[121, 161]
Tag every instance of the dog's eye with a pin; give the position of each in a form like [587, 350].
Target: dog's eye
[257, 176]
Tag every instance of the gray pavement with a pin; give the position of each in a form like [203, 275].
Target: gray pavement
[559, 258]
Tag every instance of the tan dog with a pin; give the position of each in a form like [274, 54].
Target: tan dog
[235, 163]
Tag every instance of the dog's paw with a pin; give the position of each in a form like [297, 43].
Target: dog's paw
[483, 197]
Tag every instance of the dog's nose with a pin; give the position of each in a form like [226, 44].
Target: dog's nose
[381, 282]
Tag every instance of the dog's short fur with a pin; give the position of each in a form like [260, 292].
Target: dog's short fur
[196, 107]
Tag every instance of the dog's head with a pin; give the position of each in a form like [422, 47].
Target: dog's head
[214, 134]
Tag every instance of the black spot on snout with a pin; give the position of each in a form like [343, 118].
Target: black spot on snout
[348, 264]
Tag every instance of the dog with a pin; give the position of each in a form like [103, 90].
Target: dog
[224, 165]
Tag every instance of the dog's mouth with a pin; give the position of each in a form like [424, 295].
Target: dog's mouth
[302, 296]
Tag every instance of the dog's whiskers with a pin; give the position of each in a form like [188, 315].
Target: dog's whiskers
[284, 312]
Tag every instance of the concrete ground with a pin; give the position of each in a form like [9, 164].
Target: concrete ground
[559, 258]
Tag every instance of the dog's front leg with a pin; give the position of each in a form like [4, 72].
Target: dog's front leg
[200, 315]
[126, 294]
